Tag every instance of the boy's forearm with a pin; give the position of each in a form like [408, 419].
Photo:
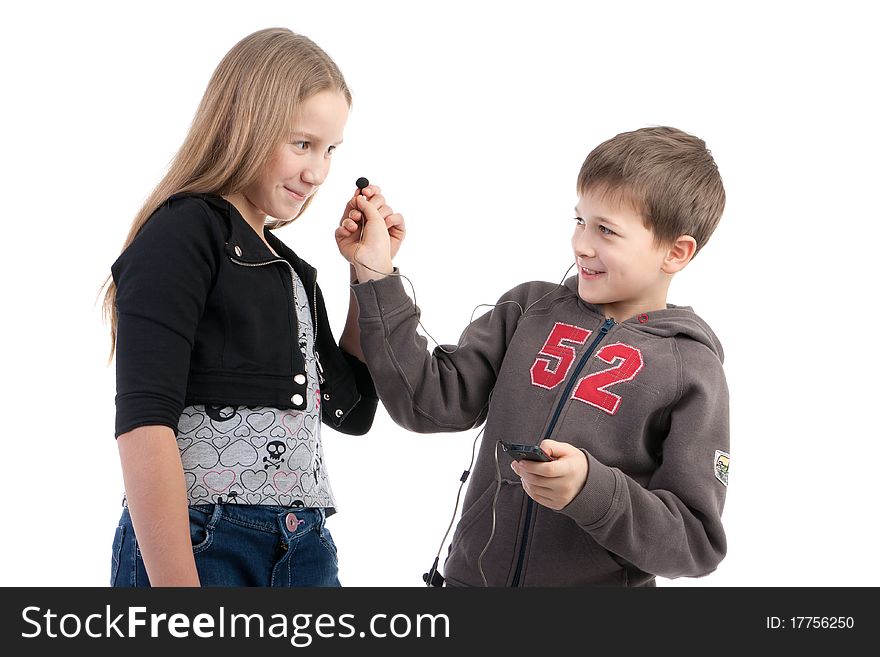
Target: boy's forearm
[683, 499]
[156, 493]
[365, 274]
[423, 390]
[628, 519]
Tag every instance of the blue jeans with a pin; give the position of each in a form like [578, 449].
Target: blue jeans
[242, 545]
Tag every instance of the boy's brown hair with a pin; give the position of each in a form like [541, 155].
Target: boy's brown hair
[667, 175]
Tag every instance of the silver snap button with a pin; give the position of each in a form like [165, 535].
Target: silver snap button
[299, 379]
[238, 251]
[326, 397]
[297, 399]
[338, 412]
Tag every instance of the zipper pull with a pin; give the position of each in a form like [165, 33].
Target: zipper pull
[607, 325]
[319, 367]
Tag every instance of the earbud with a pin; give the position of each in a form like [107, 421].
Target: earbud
[361, 183]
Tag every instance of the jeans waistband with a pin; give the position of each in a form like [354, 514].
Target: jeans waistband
[288, 522]
[273, 519]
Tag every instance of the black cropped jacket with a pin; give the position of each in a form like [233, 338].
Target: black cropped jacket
[206, 316]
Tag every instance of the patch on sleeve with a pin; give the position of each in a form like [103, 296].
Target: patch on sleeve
[722, 466]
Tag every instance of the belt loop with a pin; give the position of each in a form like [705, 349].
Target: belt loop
[216, 515]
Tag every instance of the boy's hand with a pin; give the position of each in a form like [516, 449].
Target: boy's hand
[556, 483]
[383, 231]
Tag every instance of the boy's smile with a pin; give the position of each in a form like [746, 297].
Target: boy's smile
[620, 267]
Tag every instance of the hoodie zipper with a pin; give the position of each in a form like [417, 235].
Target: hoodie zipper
[562, 402]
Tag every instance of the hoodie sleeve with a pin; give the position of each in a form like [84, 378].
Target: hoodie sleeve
[423, 391]
[671, 526]
[162, 283]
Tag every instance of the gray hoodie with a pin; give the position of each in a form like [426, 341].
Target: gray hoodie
[645, 399]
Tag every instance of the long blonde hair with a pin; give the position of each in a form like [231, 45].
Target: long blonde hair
[245, 114]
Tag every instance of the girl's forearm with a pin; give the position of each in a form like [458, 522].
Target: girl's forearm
[157, 501]
[350, 340]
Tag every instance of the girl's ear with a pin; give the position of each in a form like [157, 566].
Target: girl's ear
[679, 254]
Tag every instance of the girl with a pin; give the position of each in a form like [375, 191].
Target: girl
[225, 359]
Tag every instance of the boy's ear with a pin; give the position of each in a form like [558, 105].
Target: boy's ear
[680, 253]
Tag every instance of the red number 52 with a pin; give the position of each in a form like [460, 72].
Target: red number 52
[555, 359]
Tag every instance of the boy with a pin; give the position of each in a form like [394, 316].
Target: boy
[625, 393]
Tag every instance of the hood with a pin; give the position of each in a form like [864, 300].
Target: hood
[674, 322]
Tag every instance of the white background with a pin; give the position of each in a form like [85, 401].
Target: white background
[474, 117]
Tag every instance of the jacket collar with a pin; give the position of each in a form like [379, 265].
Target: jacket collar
[245, 245]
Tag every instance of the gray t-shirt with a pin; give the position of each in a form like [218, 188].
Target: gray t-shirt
[259, 454]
